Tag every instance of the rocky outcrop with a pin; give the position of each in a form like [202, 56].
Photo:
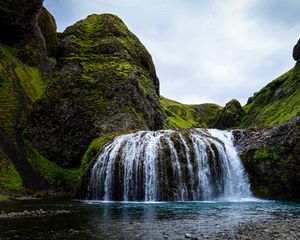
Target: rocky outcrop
[48, 27]
[231, 115]
[296, 51]
[18, 23]
[272, 159]
[105, 82]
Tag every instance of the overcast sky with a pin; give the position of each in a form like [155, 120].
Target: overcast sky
[204, 50]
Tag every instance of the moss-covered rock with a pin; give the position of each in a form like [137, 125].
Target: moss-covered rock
[10, 179]
[209, 113]
[271, 159]
[21, 86]
[231, 115]
[48, 27]
[105, 82]
[18, 24]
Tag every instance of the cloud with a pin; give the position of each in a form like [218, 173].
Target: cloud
[204, 51]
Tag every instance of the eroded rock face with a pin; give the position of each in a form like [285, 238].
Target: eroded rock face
[231, 115]
[18, 23]
[105, 82]
[272, 159]
[48, 27]
[296, 51]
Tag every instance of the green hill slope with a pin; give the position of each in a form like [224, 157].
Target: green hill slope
[189, 116]
[276, 103]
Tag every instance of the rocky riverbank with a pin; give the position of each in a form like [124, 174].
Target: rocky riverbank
[268, 230]
[35, 213]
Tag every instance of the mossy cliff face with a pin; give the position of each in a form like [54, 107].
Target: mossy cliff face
[18, 23]
[105, 82]
[47, 24]
[24, 75]
[231, 115]
[271, 158]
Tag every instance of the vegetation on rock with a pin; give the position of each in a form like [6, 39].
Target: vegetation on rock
[271, 158]
[231, 115]
[48, 27]
[105, 82]
[276, 103]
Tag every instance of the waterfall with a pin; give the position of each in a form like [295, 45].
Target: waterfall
[167, 165]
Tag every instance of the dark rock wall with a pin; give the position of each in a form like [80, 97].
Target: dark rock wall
[18, 23]
[47, 24]
[272, 159]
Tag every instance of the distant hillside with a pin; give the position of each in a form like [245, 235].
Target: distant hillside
[189, 116]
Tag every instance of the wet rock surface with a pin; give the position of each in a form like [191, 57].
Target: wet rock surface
[271, 157]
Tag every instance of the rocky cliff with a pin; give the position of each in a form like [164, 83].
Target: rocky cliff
[18, 22]
[272, 159]
[62, 98]
[23, 58]
[105, 81]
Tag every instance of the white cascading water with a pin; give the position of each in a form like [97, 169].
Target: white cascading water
[169, 165]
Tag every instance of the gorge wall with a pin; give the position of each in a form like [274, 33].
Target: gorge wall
[64, 96]
[271, 157]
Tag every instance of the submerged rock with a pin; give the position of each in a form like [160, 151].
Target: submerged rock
[106, 82]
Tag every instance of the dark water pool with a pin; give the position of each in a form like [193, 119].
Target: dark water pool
[116, 220]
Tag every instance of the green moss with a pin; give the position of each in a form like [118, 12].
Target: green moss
[95, 147]
[10, 179]
[16, 79]
[266, 154]
[209, 113]
[4, 198]
[31, 81]
[55, 175]
[276, 103]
